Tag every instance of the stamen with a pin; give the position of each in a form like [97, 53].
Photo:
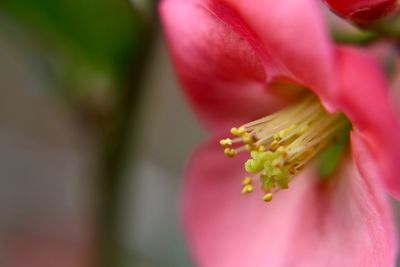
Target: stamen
[267, 197]
[226, 142]
[247, 189]
[246, 181]
[281, 144]
[230, 152]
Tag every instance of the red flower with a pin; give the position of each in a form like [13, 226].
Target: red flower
[364, 11]
[232, 58]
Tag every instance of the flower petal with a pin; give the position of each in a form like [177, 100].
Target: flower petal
[348, 220]
[294, 34]
[364, 11]
[227, 53]
[363, 95]
[345, 223]
[222, 73]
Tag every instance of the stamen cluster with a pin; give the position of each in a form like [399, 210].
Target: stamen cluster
[281, 144]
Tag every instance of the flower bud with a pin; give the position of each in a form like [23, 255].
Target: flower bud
[362, 12]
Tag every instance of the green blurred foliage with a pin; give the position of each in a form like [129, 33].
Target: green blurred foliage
[90, 39]
[329, 158]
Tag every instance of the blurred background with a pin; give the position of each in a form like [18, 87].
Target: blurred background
[90, 167]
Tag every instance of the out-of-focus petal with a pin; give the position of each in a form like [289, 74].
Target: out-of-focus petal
[348, 221]
[221, 72]
[344, 222]
[363, 95]
[362, 11]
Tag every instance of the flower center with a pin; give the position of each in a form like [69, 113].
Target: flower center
[281, 144]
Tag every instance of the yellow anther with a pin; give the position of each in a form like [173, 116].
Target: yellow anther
[274, 145]
[246, 181]
[247, 138]
[238, 131]
[282, 133]
[247, 189]
[226, 142]
[261, 148]
[267, 197]
[280, 149]
[230, 152]
[251, 147]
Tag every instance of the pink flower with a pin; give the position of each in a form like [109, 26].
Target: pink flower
[232, 58]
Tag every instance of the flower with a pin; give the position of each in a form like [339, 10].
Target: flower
[239, 61]
[363, 12]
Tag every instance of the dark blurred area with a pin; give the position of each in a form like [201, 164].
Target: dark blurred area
[89, 166]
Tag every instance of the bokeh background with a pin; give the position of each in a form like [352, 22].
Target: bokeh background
[94, 136]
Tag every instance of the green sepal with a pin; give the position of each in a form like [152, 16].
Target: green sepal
[329, 158]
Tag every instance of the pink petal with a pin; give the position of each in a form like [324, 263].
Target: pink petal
[349, 221]
[363, 95]
[226, 54]
[221, 71]
[344, 223]
[294, 34]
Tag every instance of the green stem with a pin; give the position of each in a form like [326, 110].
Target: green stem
[114, 144]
